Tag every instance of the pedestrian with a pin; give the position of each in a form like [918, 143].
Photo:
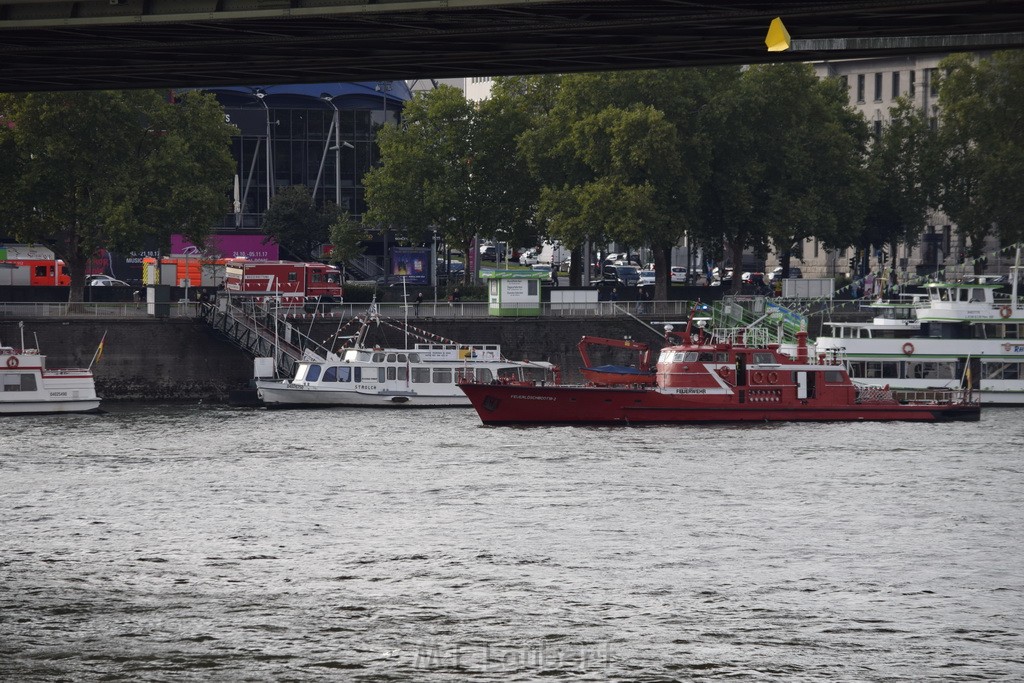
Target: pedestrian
[419, 300]
[554, 274]
[137, 296]
[456, 295]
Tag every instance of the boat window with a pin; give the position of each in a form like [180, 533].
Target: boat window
[331, 374]
[442, 376]
[344, 374]
[917, 370]
[20, 381]
[313, 373]
[392, 373]
[688, 356]
[414, 357]
[977, 294]
[706, 357]
[380, 375]
[484, 375]
[721, 357]
[420, 375]
[378, 358]
[392, 358]
[876, 369]
[402, 358]
[833, 376]
[357, 374]
[1000, 370]
[857, 369]
[764, 359]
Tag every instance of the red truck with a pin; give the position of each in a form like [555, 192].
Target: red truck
[294, 283]
[33, 265]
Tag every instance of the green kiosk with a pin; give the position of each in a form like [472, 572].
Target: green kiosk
[513, 293]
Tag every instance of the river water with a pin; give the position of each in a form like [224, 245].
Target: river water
[171, 543]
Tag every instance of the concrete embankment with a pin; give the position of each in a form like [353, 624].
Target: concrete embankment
[182, 359]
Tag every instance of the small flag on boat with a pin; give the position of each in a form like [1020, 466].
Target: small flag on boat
[99, 351]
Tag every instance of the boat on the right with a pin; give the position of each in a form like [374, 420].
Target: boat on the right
[955, 332]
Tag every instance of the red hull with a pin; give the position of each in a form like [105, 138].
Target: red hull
[508, 404]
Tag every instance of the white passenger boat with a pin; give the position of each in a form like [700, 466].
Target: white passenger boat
[957, 333]
[28, 386]
[423, 375]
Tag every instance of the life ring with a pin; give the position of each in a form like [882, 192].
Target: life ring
[908, 349]
[773, 377]
[1005, 312]
[12, 362]
[758, 377]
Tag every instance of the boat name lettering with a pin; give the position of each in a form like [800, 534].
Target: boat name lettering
[534, 398]
[691, 390]
[366, 387]
[1013, 348]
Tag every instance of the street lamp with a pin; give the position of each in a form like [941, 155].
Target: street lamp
[383, 87]
[260, 93]
[336, 148]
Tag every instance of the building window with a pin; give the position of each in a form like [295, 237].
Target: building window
[845, 80]
[933, 82]
[878, 130]
[878, 87]
[895, 84]
[912, 84]
[860, 88]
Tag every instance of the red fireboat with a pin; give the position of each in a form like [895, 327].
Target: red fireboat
[731, 375]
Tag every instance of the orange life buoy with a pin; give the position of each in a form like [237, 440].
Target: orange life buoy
[1005, 312]
[908, 348]
[773, 377]
[758, 377]
[12, 362]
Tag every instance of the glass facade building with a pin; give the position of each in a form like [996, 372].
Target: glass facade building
[322, 135]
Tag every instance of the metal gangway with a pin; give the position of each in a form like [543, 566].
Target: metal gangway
[259, 331]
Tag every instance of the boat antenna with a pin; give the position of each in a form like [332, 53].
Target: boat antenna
[405, 307]
[21, 329]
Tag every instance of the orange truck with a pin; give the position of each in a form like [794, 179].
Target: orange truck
[32, 265]
[179, 270]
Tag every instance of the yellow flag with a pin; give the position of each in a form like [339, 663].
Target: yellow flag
[777, 39]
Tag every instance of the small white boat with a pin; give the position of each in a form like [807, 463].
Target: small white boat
[424, 375]
[27, 386]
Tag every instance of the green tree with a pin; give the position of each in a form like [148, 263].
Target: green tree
[901, 167]
[298, 226]
[618, 160]
[982, 143]
[787, 162]
[89, 170]
[425, 177]
[347, 239]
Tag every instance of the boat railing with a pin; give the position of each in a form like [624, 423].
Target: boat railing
[932, 396]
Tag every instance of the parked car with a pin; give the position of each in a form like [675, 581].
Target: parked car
[627, 276]
[777, 272]
[546, 268]
[528, 258]
[491, 252]
[108, 282]
[647, 277]
[677, 274]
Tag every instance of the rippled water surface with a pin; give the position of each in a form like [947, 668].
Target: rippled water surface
[171, 543]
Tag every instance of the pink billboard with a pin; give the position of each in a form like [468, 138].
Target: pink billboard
[229, 246]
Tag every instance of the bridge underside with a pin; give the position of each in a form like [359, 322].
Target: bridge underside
[97, 44]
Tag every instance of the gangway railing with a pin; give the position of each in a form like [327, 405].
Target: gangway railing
[254, 334]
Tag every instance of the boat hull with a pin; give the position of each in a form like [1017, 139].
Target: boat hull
[285, 395]
[505, 405]
[42, 407]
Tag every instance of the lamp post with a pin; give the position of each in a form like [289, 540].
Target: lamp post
[336, 148]
[383, 87]
[260, 93]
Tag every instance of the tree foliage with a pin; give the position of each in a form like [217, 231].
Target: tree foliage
[89, 170]
[787, 162]
[982, 184]
[299, 227]
[901, 168]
